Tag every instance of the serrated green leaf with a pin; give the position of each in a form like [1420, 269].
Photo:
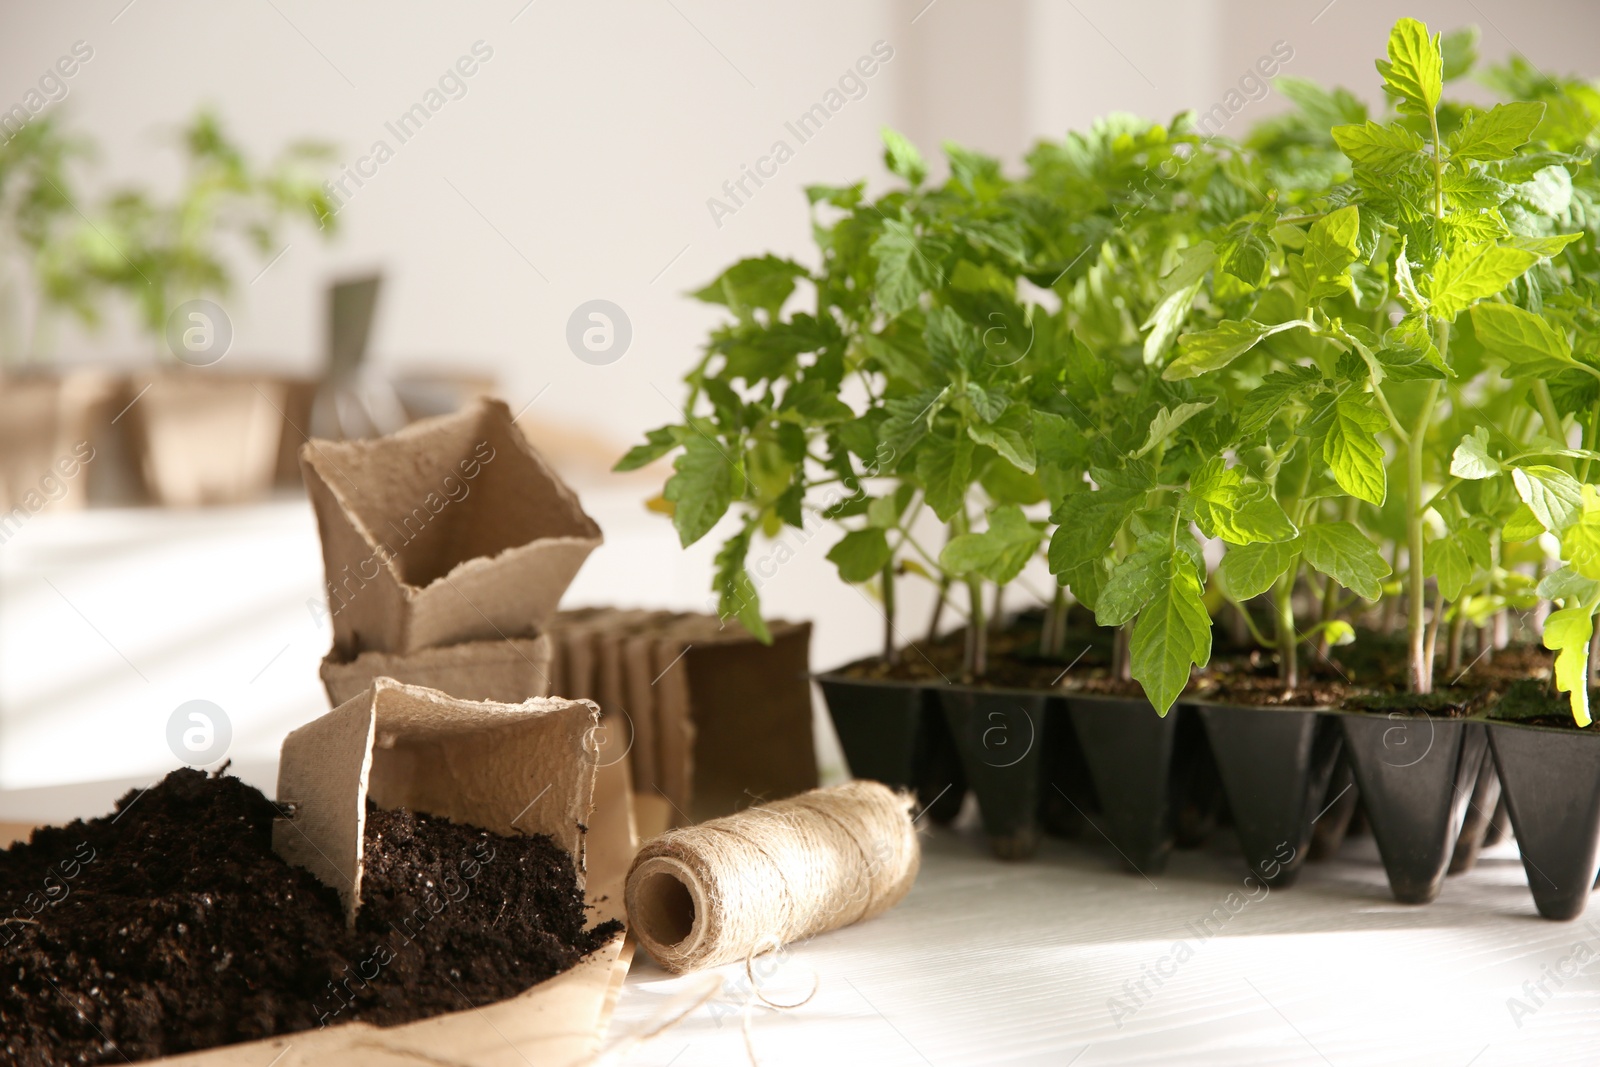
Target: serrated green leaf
[1543, 247]
[1178, 292]
[1454, 559]
[1414, 71]
[904, 271]
[1011, 435]
[1405, 283]
[657, 443]
[1531, 347]
[1330, 249]
[1352, 450]
[1580, 542]
[1264, 402]
[1554, 496]
[1408, 353]
[1379, 149]
[1521, 526]
[764, 283]
[902, 157]
[1134, 581]
[701, 488]
[884, 512]
[1172, 635]
[1548, 192]
[909, 421]
[1467, 275]
[1167, 422]
[998, 553]
[1567, 633]
[737, 597]
[861, 554]
[1568, 585]
[944, 466]
[986, 404]
[1209, 350]
[1345, 554]
[1086, 524]
[1497, 133]
[1472, 459]
[1250, 570]
[1240, 513]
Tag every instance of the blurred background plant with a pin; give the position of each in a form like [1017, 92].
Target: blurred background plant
[36, 219]
[61, 259]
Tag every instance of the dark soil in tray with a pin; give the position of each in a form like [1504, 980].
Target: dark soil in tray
[1536, 703]
[1014, 660]
[1252, 680]
[1506, 668]
[172, 926]
[1102, 683]
[1374, 662]
[1439, 704]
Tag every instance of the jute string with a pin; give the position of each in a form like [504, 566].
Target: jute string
[719, 892]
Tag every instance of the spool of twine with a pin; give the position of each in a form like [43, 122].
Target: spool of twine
[705, 895]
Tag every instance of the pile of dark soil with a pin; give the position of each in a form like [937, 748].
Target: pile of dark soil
[172, 926]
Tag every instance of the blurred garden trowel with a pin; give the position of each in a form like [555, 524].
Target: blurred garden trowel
[355, 400]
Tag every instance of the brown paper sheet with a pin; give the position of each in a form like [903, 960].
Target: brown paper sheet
[557, 1023]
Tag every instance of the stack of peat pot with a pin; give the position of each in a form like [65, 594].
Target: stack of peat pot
[447, 547]
[712, 717]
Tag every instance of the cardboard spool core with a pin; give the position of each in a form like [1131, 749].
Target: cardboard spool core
[666, 904]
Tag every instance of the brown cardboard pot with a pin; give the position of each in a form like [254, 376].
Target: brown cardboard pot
[202, 436]
[451, 530]
[47, 432]
[713, 716]
[508, 768]
[508, 671]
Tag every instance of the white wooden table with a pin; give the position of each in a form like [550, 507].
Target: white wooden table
[1041, 963]
[109, 620]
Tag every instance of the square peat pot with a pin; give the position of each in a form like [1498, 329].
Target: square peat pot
[1275, 764]
[203, 438]
[451, 530]
[1416, 774]
[1551, 782]
[894, 732]
[505, 671]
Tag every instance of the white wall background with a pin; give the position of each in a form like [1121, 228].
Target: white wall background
[579, 163]
[577, 166]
